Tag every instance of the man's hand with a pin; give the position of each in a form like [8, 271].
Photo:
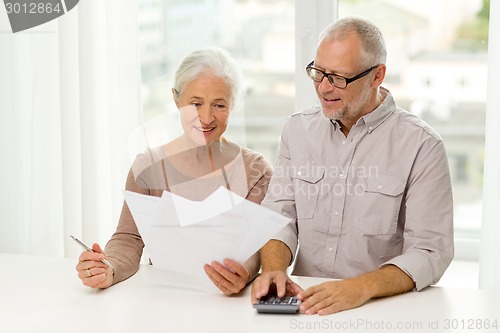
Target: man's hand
[333, 296]
[264, 283]
[230, 279]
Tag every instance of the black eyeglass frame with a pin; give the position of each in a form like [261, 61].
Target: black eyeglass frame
[329, 76]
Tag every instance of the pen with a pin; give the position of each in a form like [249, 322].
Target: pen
[82, 244]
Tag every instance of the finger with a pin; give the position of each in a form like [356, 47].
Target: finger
[212, 274]
[236, 267]
[98, 277]
[95, 281]
[217, 280]
[260, 287]
[87, 264]
[308, 292]
[255, 290]
[265, 284]
[88, 255]
[223, 272]
[88, 268]
[235, 279]
[92, 271]
[108, 280]
[292, 288]
[334, 308]
[315, 302]
[231, 280]
[281, 281]
[322, 306]
[97, 248]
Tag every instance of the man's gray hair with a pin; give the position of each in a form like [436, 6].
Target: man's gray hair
[373, 45]
[211, 60]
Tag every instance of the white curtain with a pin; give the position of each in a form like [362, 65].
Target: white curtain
[489, 265]
[69, 98]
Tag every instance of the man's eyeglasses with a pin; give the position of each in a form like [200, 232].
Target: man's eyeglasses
[334, 79]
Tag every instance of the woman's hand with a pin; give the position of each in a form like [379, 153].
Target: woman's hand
[92, 271]
[230, 278]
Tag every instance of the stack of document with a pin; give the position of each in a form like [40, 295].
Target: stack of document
[181, 235]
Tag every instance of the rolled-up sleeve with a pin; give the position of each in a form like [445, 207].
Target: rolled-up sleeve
[428, 208]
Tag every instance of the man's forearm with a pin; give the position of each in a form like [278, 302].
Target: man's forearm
[275, 256]
[387, 281]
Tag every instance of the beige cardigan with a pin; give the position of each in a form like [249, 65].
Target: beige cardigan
[124, 249]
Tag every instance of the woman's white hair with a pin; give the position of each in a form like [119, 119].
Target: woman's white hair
[215, 61]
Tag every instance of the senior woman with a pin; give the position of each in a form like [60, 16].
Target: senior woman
[207, 87]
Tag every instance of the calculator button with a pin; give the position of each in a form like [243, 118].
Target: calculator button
[273, 304]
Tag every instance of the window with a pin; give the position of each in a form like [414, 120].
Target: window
[437, 68]
[459, 168]
[260, 35]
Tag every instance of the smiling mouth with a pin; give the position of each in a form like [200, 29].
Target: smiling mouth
[331, 100]
[204, 129]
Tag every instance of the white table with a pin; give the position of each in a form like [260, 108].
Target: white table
[41, 294]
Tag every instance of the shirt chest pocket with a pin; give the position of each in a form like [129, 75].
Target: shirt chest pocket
[307, 188]
[378, 206]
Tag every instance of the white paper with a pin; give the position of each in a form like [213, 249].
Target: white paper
[182, 235]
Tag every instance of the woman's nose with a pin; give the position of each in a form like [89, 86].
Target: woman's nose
[205, 114]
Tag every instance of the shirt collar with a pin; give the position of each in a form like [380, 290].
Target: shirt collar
[373, 119]
[336, 125]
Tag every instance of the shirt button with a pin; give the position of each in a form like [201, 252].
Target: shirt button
[341, 175]
[330, 249]
[343, 142]
[337, 213]
[379, 187]
[299, 173]
[370, 128]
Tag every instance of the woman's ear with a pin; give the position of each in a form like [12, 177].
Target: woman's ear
[175, 96]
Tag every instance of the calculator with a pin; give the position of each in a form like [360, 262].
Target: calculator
[274, 304]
